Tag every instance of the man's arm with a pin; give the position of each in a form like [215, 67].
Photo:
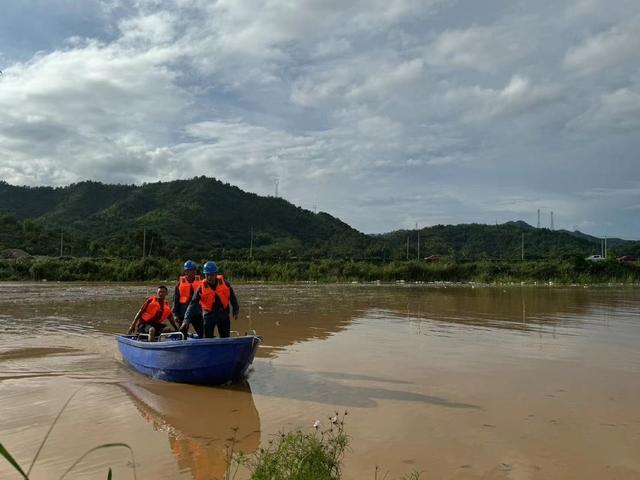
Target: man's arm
[172, 320]
[134, 323]
[235, 307]
[137, 317]
[192, 309]
[176, 300]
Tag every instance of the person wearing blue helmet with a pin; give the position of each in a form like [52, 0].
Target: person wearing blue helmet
[216, 300]
[186, 287]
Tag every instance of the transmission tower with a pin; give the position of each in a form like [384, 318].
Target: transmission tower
[276, 181]
[538, 219]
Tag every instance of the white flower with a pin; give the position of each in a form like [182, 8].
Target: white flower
[316, 424]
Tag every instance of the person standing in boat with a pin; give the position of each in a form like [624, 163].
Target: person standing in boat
[186, 287]
[152, 315]
[217, 301]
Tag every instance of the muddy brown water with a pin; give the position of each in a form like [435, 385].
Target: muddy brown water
[452, 381]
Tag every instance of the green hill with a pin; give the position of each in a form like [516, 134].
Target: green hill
[198, 217]
[203, 217]
[476, 241]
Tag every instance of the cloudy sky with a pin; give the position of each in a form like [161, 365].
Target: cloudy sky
[385, 113]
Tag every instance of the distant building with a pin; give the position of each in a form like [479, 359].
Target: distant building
[432, 258]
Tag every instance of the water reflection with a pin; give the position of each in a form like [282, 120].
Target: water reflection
[201, 422]
[290, 314]
[340, 389]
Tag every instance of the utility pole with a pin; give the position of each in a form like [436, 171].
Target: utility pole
[144, 241]
[418, 240]
[552, 220]
[605, 247]
[276, 181]
[407, 247]
[61, 241]
[523, 246]
[251, 245]
[538, 219]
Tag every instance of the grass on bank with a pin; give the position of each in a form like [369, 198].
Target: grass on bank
[565, 271]
[296, 454]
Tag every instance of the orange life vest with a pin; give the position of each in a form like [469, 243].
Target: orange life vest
[184, 288]
[152, 313]
[208, 294]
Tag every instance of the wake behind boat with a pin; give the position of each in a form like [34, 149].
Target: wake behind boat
[208, 361]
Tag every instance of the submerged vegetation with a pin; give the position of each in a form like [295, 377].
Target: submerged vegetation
[573, 269]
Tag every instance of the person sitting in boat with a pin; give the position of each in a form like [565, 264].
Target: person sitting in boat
[186, 287]
[215, 298]
[152, 315]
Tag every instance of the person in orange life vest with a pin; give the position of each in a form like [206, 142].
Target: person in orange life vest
[216, 299]
[152, 315]
[186, 287]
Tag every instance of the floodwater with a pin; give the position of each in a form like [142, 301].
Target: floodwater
[455, 382]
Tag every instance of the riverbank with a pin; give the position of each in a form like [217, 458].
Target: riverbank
[565, 271]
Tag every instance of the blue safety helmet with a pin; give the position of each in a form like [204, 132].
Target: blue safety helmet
[210, 268]
[190, 265]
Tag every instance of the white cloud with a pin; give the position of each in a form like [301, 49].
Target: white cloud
[617, 46]
[482, 48]
[617, 111]
[153, 29]
[336, 99]
[519, 96]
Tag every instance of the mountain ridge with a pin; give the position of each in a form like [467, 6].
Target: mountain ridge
[204, 217]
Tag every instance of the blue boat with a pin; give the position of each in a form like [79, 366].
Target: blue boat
[207, 361]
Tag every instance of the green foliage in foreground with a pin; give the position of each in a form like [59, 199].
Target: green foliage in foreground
[298, 455]
[569, 270]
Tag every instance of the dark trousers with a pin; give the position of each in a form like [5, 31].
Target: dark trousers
[223, 322]
[196, 321]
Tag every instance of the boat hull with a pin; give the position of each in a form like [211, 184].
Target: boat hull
[208, 361]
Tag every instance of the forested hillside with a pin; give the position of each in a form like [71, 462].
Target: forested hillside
[197, 218]
[205, 218]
